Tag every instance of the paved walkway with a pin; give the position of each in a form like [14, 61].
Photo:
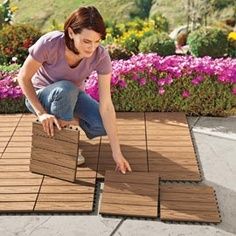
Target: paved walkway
[215, 141]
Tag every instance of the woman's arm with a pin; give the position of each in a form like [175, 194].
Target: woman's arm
[24, 77]
[107, 112]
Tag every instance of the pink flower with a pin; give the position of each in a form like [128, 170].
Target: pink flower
[161, 91]
[142, 81]
[185, 94]
[161, 82]
[197, 80]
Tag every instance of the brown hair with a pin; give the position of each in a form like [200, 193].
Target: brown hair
[83, 18]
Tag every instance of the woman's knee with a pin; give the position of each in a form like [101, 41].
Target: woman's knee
[65, 90]
[94, 129]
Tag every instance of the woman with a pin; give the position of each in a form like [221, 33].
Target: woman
[53, 74]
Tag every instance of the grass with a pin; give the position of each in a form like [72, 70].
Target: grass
[42, 13]
[36, 12]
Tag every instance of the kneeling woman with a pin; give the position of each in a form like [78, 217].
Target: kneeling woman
[53, 75]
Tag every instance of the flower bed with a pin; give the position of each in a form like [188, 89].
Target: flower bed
[200, 86]
[11, 96]
[197, 86]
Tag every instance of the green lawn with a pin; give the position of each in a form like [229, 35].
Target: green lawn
[41, 13]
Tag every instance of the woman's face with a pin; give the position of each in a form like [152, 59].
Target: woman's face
[86, 42]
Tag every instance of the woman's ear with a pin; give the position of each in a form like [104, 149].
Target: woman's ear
[70, 32]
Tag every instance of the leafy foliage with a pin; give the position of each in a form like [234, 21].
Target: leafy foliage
[15, 41]
[208, 42]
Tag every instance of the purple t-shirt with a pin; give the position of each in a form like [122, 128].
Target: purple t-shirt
[50, 51]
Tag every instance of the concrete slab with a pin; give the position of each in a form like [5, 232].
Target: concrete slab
[216, 149]
[217, 126]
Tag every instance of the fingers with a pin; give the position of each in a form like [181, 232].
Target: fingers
[51, 128]
[57, 123]
[123, 166]
[48, 122]
[48, 127]
[128, 166]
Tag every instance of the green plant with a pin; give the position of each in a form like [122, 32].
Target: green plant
[208, 41]
[131, 38]
[15, 41]
[6, 13]
[220, 4]
[8, 69]
[10, 106]
[160, 43]
[136, 98]
[161, 22]
[232, 44]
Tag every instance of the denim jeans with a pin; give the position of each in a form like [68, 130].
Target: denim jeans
[64, 100]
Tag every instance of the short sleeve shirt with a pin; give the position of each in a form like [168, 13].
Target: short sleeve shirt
[50, 51]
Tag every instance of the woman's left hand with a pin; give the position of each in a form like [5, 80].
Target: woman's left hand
[122, 164]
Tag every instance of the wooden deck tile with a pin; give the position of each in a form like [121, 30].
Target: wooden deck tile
[18, 187]
[131, 131]
[54, 156]
[170, 149]
[188, 203]
[125, 195]
[58, 195]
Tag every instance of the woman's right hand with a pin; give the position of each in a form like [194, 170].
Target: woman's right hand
[47, 121]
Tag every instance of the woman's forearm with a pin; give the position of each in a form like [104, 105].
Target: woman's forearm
[109, 121]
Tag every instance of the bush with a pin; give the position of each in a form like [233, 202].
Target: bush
[6, 13]
[161, 22]
[131, 39]
[148, 82]
[232, 44]
[117, 52]
[160, 43]
[208, 42]
[176, 98]
[15, 41]
[8, 70]
[10, 106]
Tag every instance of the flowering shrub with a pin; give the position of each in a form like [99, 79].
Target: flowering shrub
[174, 83]
[131, 39]
[232, 44]
[129, 35]
[6, 13]
[202, 86]
[15, 41]
[11, 96]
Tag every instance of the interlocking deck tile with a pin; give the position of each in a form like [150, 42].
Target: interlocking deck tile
[170, 148]
[188, 203]
[18, 188]
[61, 196]
[133, 194]
[131, 132]
[54, 156]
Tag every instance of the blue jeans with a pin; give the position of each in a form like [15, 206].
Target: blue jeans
[65, 101]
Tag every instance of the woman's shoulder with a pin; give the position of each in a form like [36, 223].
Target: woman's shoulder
[101, 51]
[52, 37]
[100, 54]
